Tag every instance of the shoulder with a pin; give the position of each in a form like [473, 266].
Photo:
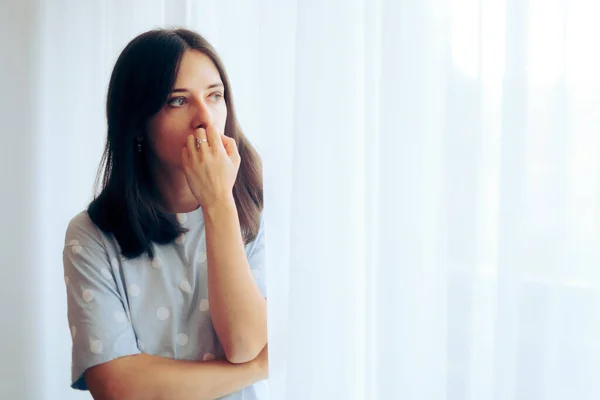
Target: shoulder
[81, 231]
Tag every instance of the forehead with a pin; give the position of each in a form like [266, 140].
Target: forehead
[196, 70]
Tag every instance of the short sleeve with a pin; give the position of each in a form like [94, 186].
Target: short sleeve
[98, 319]
[257, 258]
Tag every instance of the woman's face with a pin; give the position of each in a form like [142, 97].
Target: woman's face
[197, 100]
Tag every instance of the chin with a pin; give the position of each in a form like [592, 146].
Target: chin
[172, 165]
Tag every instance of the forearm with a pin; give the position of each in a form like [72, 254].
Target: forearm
[147, 377]
[238, 309]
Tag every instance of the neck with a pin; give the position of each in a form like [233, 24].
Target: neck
[174, 190]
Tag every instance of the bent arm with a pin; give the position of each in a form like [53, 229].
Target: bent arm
[239, 310]
[147, 377]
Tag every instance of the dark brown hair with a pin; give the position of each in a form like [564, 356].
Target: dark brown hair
[128, 205]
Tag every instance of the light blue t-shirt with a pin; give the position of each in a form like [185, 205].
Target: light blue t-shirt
[119, 307]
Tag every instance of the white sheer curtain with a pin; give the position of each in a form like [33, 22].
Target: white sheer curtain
[444, 222]
[432, 187]
[444, 213]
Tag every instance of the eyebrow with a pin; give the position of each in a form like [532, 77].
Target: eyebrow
[214, 85]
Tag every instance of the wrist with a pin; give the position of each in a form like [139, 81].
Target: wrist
[224, 205]
[226, 202]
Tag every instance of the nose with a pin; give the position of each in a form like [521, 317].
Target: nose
[202, 116]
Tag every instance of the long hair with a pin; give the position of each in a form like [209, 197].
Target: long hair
[128, 204]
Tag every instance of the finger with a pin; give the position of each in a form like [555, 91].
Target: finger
[201, 133]
[232, 150]
[201, 143]
[214, 138]
[191, 148]
[201, 140]
[185, 158]
[230, 145]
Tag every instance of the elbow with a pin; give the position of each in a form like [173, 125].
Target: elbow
[240, 352]
[241, 356]
[111, 391]
[115, 395]
[125, 392]
[117, 389]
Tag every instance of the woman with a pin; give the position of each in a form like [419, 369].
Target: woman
[165, 269]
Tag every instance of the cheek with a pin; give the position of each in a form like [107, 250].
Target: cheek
[167, 139]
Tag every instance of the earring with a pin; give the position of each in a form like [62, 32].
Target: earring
[139, 145]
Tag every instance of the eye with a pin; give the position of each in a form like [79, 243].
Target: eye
[216, 96]
[177, 101]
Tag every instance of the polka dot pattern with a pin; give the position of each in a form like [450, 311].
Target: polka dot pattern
[182, 339]
[75, 247]
[180, 239]
[185, 286]
[96, 346]
[166, 354]
[87, 295]
[181, 218]
[167, 295]
[163, 313]
[134, 290]
[203, 306]
[106, 273]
